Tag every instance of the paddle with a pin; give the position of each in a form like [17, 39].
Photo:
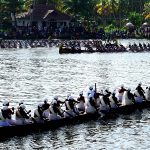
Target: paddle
[95, 88]
[95, 94]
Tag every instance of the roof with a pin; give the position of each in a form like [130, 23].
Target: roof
[45, 13]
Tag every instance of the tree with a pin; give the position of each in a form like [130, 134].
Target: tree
[146, 12]
[4, 14]
[9, 9]
[136, 18]
[108, 9]
[136, 5]
[57, 3]
[81, 8]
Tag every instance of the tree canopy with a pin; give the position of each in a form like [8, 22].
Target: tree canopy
[111, 11]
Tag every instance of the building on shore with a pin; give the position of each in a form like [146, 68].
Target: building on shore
[43, 16]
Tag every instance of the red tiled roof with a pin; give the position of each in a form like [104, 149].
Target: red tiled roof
[44, 12]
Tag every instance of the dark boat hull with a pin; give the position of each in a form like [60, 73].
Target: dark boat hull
[69, 51]
[20, 130]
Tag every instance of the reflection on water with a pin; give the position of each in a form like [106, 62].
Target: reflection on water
[31, 74]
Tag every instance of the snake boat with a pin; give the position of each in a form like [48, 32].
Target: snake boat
[20, 130]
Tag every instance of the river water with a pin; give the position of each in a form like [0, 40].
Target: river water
[32, 74]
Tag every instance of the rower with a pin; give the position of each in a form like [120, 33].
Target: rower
[90, 92]
[105, 102]
[58, 101]
[68, 95]
[104, 108]
[46, 104]
[106, 96]
[147, 93]
[128, 98]
[90, 107]
[38, 114]
[113, 100]
[22, 115]
[98, 96]
[138, 97]
[140, 91]
[6, 114]
[45, 108]
[71, 110]
[55, 111]
[121, 92]
[21, 102]
[81, 100]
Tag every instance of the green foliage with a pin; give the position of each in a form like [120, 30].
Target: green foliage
[80, 8]
[136, 18]
[112, 27]
[110, 12]
[8, 7]
[146, 12]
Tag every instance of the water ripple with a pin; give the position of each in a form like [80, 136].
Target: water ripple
[30, 75]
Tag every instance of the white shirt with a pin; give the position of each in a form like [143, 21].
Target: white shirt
[90, 92]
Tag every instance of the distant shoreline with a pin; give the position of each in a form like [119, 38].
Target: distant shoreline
[64, 39]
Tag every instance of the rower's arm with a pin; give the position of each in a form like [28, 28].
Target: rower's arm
[24, 114]
[61, 102]
[76, 101]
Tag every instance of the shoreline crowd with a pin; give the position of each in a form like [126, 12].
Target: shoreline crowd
[100, 102]
[73, 32]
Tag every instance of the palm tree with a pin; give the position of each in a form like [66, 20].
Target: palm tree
[81, 8]
[146, 12]
[108, 9]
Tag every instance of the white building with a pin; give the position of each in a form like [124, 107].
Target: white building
[43, 16]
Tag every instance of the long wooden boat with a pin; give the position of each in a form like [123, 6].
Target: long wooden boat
[69, 50]
[20, 130]
[65, 50]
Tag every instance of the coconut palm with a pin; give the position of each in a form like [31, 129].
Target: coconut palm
[146, 12]
[81, 8]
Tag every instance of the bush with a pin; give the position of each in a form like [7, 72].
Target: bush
[136, 18]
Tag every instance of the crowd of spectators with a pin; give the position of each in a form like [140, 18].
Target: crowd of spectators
[72, 32]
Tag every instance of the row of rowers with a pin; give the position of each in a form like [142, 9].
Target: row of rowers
[95, 102]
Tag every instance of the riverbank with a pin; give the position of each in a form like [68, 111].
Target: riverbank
[71, 33]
